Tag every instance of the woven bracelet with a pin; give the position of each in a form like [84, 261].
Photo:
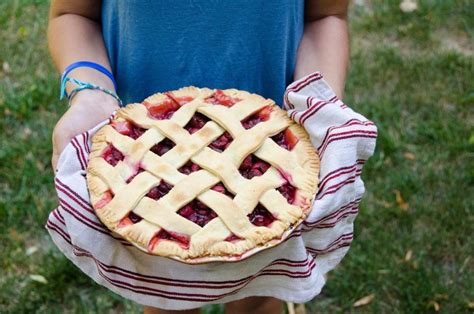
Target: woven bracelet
[82, 86]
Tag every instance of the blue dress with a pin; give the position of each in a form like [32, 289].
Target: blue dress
[161, 45]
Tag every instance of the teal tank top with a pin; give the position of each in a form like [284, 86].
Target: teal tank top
[161, 45]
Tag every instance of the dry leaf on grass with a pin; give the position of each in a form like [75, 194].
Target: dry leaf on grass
[408, 6]
[408, 255]
[435, 305]
[6, 67]
[400, 201]
[470, 305]
[25, 133]
[364, 301]
[39, 278]
[31, 250]
[40, 166]
[409, 156]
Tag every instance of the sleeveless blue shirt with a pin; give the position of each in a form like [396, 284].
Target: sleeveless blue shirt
[161, 45]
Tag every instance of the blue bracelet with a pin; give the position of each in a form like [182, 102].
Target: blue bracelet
[82, 86]
[88, 64]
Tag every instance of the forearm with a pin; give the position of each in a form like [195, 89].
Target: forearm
[73, 37]
[325, 48]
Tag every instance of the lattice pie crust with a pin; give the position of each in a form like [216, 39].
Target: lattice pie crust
[145, 198]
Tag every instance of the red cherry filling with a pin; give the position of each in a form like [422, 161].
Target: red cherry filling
[112, 155]
[252, 166]
[261, 217]
[288, 191]
[134, 217]
[159, 191]
[123, 127]
[286, 139]
[197, 121]
[219, 98]
[128, 128]
[106, 198]
[189, 167]
[259, 116]
[197, 212]
[232, 238]
[181, 100]
[182, 239]
[163, 110]
[162, 147]
[166, 108]
[131, 219]
[219, 187]
[136, 132]
[221, 143]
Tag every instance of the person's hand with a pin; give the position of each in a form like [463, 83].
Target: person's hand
[88, 108]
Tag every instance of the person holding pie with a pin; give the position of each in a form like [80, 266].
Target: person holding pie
[113, 53]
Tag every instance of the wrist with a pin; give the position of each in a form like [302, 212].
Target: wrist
[95, 98]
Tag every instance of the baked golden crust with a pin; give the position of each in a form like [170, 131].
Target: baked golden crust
[299, 166]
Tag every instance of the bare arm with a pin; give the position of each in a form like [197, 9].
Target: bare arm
[325, 43]
[74, 34]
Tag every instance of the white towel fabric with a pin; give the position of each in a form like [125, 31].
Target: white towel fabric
[292, 271]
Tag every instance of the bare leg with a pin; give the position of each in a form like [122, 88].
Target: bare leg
[154, 310]
[255, 305]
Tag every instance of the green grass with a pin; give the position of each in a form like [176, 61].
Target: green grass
[411, 73]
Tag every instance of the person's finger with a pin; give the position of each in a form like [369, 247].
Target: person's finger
[54, 161]
[62, 143]
[59, 144]
[54, 156]
[60, 139]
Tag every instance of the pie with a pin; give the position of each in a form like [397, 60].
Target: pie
[202, 175]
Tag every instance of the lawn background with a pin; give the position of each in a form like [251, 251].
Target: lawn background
[411, 73]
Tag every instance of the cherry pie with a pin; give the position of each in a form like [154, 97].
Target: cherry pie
[202, 175]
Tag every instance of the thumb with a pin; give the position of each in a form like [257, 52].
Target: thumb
[54, 160]
[60, 142]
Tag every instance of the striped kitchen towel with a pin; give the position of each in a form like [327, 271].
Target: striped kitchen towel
[292, 271]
